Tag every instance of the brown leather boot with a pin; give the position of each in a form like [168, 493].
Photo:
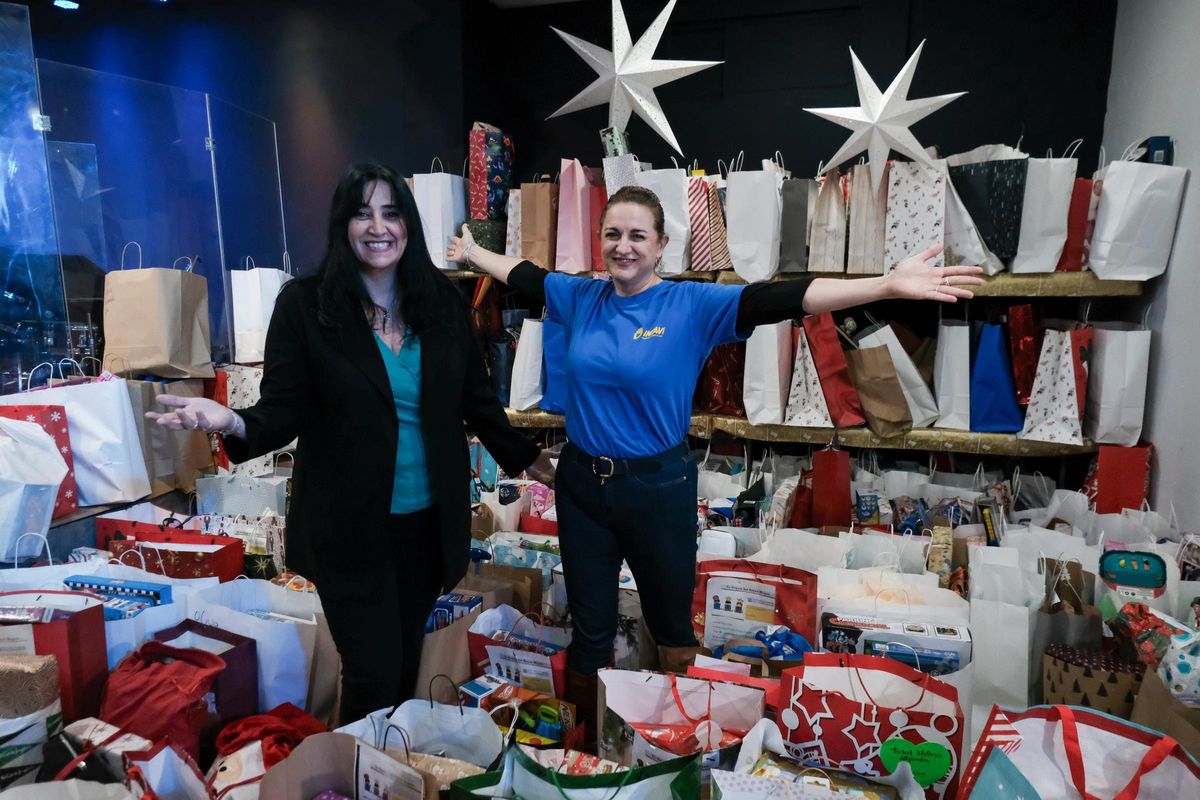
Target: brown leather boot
[582, 691]
[678, 659]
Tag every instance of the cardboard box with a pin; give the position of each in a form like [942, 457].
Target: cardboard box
[932, 648]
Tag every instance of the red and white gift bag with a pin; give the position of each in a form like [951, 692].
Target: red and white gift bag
[869, 713]
[53, 420]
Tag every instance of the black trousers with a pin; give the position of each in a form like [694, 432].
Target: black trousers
[379, 638]
[646, 517]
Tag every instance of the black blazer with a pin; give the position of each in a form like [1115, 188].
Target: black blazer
[329, 386]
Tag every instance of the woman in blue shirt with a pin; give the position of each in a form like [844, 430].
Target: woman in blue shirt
[373, 364]
[626, 482]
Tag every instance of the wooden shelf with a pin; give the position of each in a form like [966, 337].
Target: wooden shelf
[704, 426]
[1049, 284]
[701, 426]
[951, 441]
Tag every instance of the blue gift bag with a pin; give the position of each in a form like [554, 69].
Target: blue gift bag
[554, 366]
[994, 406]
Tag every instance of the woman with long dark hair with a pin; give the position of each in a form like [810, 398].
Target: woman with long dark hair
[372, 364]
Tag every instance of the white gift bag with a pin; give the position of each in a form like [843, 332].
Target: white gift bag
[527, 384]
[768, 373]
[921, 405]
[806, 400]
[1053, 413]
[31, 469]
[753, 209]
[459, 732]
[512, 233]
[109, 465]
[442, 203]
[282, 622]
[1117, 374]
[621, 171]
[1005, 600]
[254, 291]
[1135, 220]
[242, 495]
[952, 375]
[1048, 186]
[671, 187]
[916, 211]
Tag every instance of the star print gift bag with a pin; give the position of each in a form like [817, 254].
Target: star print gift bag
[1059, 393]
[53, 420]
[31, 469]
[868, 714]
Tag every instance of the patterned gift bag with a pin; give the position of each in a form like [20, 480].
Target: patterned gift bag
[993, 193]
[718, 237]
[490, 161]
[512, 243]
[1059, 389]
[53, 420]
[698, 211]
[916, 211]
[806, 400]
[827, 240]
[237, 386]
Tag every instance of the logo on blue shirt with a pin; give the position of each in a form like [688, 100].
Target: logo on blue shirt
[642, 333]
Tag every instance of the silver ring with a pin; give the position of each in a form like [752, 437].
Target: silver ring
[945, 281]
[196, 425]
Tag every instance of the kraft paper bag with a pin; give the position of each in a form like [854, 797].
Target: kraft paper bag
[827, 237]
[879, 391]
[868, 215]
[922, 407]
[539, 223]
[156, 323]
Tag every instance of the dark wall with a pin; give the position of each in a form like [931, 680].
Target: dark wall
[342, 81]
[1030, 68]
[401, 80]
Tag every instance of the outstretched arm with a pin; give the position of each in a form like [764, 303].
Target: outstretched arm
[465, 250]
[912, 279]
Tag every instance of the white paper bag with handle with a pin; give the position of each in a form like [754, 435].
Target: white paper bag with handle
[525, 389]
[254, 290]
[768, 373]
[952, 375]
[1117, 375]
[752, 209]
[1048, 185]
[671, 187]
[442, 203]
[1135, 220]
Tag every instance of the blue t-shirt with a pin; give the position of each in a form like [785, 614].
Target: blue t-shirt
[632, 362]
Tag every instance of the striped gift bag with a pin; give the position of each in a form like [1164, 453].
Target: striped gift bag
[698, 211]
[718, 239]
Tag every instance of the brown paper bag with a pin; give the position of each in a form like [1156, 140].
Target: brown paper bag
[483, 521]
[526, 585]
[878, 387]
[156, 322]
[494, 591]
[1089, 679]
[1155, 707]
[827, 238]
[539, 223]
[438, 771]
[445, 652]
[174, 459]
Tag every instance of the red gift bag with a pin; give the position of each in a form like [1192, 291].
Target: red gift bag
[868, 713]
[1120, 478]
[140, 520]
[840, 395]
[802, 502]
[519, 639]
[1025, 335]
[719, 388]
[831, 488]
[1073, 252]
[530, 523]
[158, 692]
[217, 388]
[235, 689]
[72, 630]
[795, 593]
[53, 420]
[185, 555]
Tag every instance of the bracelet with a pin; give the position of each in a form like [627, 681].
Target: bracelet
[467, 254]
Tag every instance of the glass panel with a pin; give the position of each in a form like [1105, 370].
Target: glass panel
[128, 162]
[32, 313]
[247, 166]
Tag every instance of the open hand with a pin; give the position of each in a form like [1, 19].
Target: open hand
[460, 246]
[914, 279]
[192, 413]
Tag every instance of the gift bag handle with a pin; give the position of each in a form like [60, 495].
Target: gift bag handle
[925, 679]
[36, 535]
[1157, 754]
[287, 262]
[616, 792]
[404, 739]
[120, 560]
[69, 360]
[453, 685]
[1072, 148]
[907, 599]
[126, 247]
[532, 617]
[189, 260]
[438, 161]
[248, 262]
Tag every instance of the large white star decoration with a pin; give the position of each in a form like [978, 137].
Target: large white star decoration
[628, 74]
[880, 121]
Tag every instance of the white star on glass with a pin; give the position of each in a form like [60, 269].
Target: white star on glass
[880, 121]
[628, 74]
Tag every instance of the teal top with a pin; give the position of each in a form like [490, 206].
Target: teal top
[410, 483]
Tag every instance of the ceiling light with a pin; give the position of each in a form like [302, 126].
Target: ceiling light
[69, 5]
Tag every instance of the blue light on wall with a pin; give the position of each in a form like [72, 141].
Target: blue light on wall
[69, 5]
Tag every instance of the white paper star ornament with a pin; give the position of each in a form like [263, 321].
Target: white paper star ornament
[880, 121]
[628, 74]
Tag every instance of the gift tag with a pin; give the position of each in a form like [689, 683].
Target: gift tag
[930, 761]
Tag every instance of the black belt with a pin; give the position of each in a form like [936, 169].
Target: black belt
[604, 467]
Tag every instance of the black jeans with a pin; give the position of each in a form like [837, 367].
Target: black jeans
[379, 638]
[646, 517]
